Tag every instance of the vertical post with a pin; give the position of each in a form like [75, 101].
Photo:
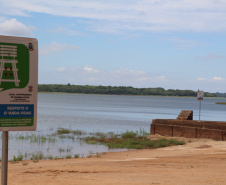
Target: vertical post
[199, 109]
[4, 158]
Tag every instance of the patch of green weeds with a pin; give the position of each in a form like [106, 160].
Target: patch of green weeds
[78, 132]
[19, 157]
[98, 155]
[34, 138]
[37, 156]
[25, 163]
[50, 157]
[76, 156]
[129, 134]
[68, 157]
[133, 140]
[63, 131]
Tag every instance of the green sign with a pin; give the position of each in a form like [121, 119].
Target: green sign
[18, 83]
[15, 64]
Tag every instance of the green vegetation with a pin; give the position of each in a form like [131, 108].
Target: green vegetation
[18, 158]
[222, 103]
[128, 139]
[33, 138]
[61, 131]
[120, 90]
[76, 156]
[133, 140]
[37, 156]
[68, 157]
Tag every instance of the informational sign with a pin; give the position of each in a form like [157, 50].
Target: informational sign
[200, 95]
[18, 83]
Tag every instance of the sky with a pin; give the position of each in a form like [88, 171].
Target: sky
[173, 44]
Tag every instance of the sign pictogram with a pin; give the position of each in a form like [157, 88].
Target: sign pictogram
[18, 83]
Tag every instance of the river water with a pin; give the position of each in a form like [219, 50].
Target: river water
[102, 113]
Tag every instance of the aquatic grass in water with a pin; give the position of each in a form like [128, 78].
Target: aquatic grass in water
[61, 131]
[133, 140]
[132, 134]
[129, 134]
[128, 139]
[34, 138]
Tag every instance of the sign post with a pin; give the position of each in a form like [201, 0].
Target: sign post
[200, 95]
[18, 89]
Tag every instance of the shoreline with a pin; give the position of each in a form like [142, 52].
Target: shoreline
[199, 161]
[127, 95]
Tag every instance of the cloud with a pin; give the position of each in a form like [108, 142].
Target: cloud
[55, 47]
[61, 69]
[125, 71]
[89, 69]
[210, 56]
[184, 43]
[214, 84]
[117, 16]
[68, 31]
[12, 27]
[121, 76]
[214, 79]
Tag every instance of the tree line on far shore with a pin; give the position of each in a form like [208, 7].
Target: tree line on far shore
[120, 90]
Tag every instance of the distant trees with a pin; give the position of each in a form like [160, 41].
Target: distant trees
[120, 90]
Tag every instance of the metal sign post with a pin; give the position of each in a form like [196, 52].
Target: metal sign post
[200, 95]
[4, 168]
[18, 89]
[199, 109]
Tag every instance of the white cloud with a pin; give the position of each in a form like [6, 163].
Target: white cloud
[118, 16]
[122, 76]
[67, 31]
[125, 71]
[185, 43]
[214, 79]
[200, 79]
[89, 69]
[61, 69]
[214, 84]
[210, 56]
[12, 27]
[55, 47]
[217, 78]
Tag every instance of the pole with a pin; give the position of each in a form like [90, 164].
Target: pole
[4, 157]
[199, 109]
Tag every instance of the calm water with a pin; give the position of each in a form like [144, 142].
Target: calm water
[103, 113]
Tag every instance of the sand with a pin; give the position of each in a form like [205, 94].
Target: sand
[201, 161]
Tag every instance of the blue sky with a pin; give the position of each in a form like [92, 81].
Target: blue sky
[174, 44]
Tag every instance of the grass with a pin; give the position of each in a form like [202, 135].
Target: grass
[68, 157]
[133, 140]
[37, 156]
[222, 103]
[129, 139]
[18, 158]
[76, 156]
[61, 131]
[34, 138]
[25, 163]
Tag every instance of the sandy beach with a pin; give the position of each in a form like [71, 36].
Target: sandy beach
[200, 161]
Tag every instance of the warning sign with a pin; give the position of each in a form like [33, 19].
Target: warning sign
[18, 83]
